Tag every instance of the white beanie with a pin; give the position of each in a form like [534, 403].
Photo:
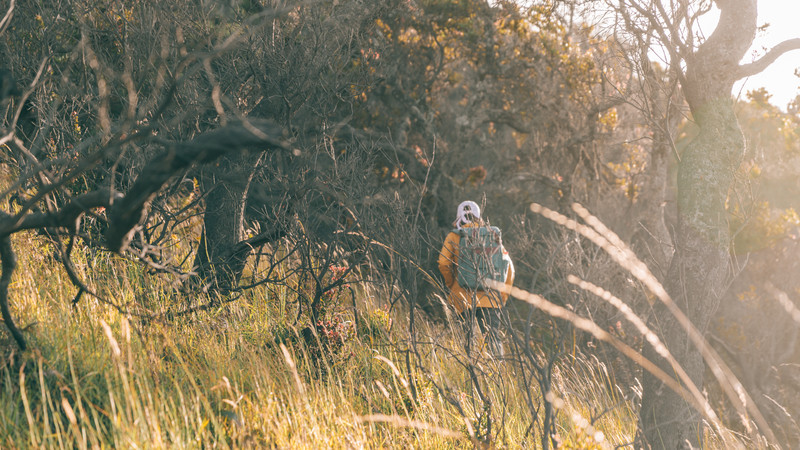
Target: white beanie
[465, 208]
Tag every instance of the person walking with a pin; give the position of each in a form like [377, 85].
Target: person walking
[473, 252]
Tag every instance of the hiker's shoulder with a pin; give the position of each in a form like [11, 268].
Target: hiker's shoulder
[452, 237]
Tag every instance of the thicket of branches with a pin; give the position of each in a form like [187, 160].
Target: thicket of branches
[126, 123]
[214, 142]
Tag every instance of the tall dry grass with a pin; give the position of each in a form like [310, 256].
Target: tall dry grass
[242, 376]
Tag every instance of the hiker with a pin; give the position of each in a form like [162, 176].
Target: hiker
[471, 252]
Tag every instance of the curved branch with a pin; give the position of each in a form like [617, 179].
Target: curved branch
[762, 63]
[8, 265]
[62, 218]
[69, 265]
[734, 32]
[127, 214]
[7, 18]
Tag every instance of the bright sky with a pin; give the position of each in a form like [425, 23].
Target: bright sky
[779, 79]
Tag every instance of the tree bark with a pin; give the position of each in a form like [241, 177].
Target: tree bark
[651, 236]
[130, 212]
[220, 260]
[699, 270]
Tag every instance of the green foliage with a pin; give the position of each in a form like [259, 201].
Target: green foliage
[762, 204]
[629, 173]
[763, 227]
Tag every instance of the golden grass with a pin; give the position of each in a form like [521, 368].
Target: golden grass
[95, 378]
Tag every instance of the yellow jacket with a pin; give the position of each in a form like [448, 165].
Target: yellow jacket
[460, 298]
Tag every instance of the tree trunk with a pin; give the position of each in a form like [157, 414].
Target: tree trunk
[220, 260]
[698, 273]
[651, 236]
[699, 270]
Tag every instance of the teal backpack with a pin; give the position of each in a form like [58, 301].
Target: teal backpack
[480, 256]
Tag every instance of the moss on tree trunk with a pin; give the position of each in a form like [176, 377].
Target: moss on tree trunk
[697, 275]
[700, 267]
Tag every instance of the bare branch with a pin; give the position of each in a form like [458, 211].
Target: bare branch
[7, 18]
[661, 26]
[8, 265]
[762, 63]
[65, 217]
[69, 265]
[24, 98]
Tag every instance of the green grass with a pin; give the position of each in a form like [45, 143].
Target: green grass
[95, 378]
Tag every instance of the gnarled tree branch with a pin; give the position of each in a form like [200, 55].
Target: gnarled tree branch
[127, 214]
[64, 217]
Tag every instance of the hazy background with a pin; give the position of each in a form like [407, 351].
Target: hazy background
[779, 78]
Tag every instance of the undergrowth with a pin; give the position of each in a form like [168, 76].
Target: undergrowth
[244, 374]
